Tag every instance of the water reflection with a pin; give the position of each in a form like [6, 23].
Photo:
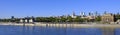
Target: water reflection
[117, 31]
[39, 30]
[84, 31]
[108, 30]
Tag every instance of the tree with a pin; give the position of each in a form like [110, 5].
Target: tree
[98, 18]
[69, 19]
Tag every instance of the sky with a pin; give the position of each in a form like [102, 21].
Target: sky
[41, 8]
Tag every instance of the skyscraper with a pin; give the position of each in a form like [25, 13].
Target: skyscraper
[90, 14]
[82, 14]
[96, 13]
[105, 12]
[73, 15]
[12, 19]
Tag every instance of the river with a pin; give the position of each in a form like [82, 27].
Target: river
[49, 30]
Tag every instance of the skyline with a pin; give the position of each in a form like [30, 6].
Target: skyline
[23, 8]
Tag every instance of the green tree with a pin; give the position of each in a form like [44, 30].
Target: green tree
[98, 18]
[69, 19]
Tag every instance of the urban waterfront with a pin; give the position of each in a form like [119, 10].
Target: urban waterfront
[59, 17]
[52, 30]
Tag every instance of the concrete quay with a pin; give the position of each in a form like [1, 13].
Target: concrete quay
[62, 25]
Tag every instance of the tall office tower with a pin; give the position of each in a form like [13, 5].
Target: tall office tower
[73, 15]
[96, 13]
[90, 14]
[118, 13]
[82, 14]
[12, 19]
[105, 12]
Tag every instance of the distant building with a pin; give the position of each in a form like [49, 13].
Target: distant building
[82, 14]
[90, 14]
[73, 15]
[91, 17]
[27, 19]
[96, 14]
[21, 20]
[107, 17]
[12, 19]
[65, 16]
[118, 20]
[30, 20]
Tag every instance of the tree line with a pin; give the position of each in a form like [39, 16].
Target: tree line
[55, 19]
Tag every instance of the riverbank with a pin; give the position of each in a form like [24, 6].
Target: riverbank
[62, 25]
[79, 25]
[19, 24]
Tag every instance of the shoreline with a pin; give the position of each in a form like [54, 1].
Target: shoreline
[62, 25]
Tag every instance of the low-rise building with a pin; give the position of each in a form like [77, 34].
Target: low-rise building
[30, 20]
[107, 18]
[21, 20]
[27, 20]
[73, 15]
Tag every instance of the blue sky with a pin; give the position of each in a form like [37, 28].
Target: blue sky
[23, 8]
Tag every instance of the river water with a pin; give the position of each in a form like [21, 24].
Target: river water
[39, 30]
